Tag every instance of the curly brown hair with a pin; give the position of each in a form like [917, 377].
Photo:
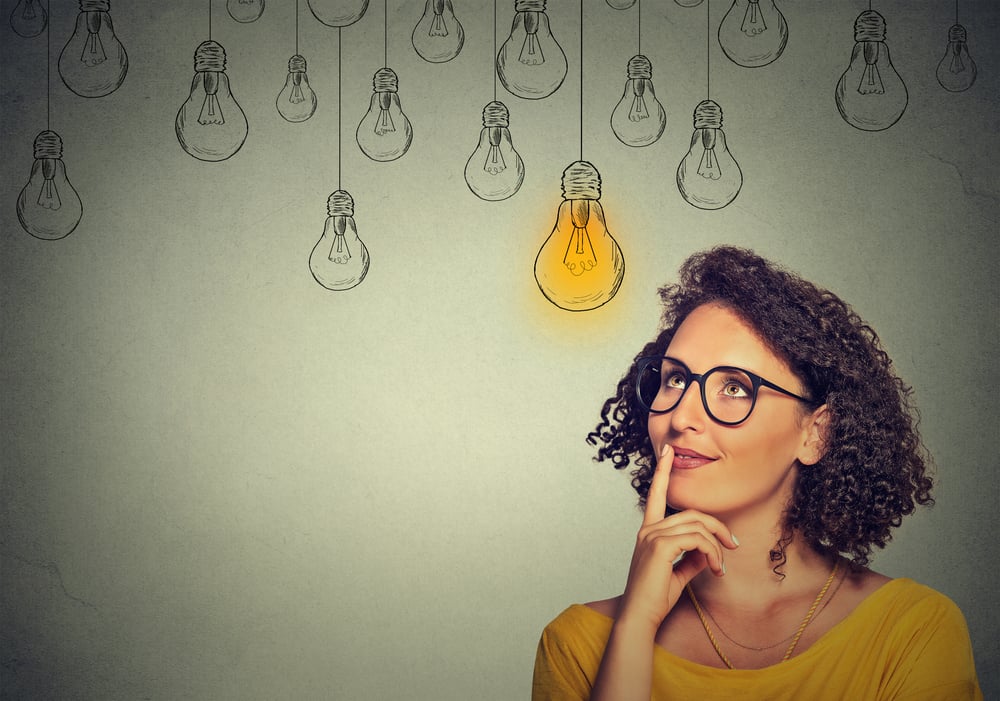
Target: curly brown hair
[874, 468]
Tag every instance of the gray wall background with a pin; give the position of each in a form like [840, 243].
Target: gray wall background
[220, 480]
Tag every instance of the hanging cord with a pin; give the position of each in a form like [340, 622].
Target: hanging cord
[296, 27]
[494, 50]
[210, 20]
[708, 49]
[581, 80]
[385, 33]
[339, 110]
[48, 68]
[638, 8]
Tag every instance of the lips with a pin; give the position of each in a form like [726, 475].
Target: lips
[686, 459]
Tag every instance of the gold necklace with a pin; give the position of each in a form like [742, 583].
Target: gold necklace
[795, 637]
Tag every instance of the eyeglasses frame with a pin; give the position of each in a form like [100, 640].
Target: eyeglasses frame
[756, 381]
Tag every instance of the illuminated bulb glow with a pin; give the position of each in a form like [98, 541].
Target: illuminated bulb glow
[956, 71]
[48, 206]
[580, 266]
[708, 176]
[339, 260]
[870, 95]
[638, 119]
[495, 170]
[531, 64]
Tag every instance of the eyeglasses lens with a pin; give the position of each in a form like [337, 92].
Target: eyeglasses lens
[728, 392]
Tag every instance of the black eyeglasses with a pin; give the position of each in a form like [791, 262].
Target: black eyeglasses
[728, 394]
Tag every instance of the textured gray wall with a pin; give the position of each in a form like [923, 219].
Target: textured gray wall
[220, 480]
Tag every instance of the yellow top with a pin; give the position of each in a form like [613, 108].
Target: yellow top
[905, 642]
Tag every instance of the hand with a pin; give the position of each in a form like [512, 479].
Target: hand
[670, 552]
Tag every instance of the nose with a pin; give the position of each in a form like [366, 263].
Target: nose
[689, 414]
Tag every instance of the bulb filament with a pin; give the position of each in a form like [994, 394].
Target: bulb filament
[753, 20]
[638, 111]
[339, 252]
[211, 112]
[531, 51]
[871, 80]
[296, 97]
[957, 64]
[494, 158]
[384, 123]
[438, 27]
[49, 195]
[580, 256]
[709, 165]
[29, 10]
[93, 48]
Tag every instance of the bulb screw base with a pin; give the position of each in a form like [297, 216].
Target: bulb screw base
[869, 26]
[385, 80]
[48, 144]
[340, 204]
[639, 67]
[581, 181]
[707, 115]
[495, 114]
[529, 5]
[957, 33]
[210, 56]
[296, 64]
[94, 5]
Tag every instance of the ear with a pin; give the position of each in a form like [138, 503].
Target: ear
[815, 428]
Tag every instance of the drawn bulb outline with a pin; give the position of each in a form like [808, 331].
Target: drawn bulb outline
[753, 33]
[621, 4]
[29, 18]
[639, 118]
[870, 94]
[688, 3]
[339, 260]
[956, 71]
[438, 36]
[245, 10]
[48, 206]
[385, 133]
[531, 63]
[338, 13]
[495, 170]
[211, 125]
[296, 102]
[580, 266]
[93, 63]
[708, 177]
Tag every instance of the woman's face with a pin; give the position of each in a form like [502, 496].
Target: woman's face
[733, 469]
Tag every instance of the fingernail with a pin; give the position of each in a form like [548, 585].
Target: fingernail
[731, 535]
[723, 567]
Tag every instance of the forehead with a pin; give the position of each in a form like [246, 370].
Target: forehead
[713, 335]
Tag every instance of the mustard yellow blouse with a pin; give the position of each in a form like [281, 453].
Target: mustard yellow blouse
[904, 642]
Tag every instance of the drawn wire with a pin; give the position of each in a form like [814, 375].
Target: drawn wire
[339, 81]
[210, 20]
[708, 49]
[494, 50]
[385, 33]
[638, 8]
[581, 80]
[296, 27]
[48, 67]
[956, 11]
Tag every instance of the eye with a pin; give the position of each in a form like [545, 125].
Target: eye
[673, 379]
[736, 387]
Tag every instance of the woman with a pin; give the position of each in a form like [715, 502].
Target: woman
[774, 448]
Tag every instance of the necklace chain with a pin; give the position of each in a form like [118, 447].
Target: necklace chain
[794, 637]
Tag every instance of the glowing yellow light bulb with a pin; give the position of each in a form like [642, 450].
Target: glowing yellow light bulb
[580, 266]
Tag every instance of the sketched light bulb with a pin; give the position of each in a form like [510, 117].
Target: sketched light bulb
[580, 266]
[210, 125]
[621, 4]
[245, 10]
[638, 119]
[296, 102]
[338, 13]
[384, 133]
[495, 170]
[438, 36]
[708, 177]
[28, 18]
[48, 206]
[339, 260]
[531, 64]
[870, 94]
[753, 33]
[688, 3]
[957, 70]
[93, 63]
